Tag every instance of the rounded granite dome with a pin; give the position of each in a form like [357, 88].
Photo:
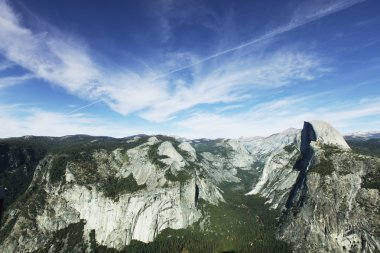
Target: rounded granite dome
[327, 134]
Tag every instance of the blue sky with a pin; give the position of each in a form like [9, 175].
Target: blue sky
[187, 68]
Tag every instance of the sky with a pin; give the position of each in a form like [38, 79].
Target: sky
[196, 69]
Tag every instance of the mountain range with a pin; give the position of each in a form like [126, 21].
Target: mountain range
[301, 190]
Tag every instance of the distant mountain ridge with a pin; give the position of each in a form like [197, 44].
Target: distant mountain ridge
[363, 135]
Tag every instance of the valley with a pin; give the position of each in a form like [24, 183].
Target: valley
[297, 191]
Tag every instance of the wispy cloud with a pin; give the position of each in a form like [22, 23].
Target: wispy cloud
[304, 15]
[260, 120]
[366, 22]
[267, 118]
[230, 82]
[156, 95]
[14, 80]
[35, 121]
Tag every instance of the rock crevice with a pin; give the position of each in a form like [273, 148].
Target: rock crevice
[299, 190]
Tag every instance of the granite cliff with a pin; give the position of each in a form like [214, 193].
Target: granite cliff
[299, 190]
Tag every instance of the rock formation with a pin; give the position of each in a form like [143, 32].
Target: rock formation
[116, 191]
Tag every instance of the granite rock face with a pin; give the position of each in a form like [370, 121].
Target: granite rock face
[117, 215]
[119, 190]
[322, 188]
[330, 207]
[326, 134]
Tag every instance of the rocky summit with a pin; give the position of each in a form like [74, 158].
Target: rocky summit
[302, 190]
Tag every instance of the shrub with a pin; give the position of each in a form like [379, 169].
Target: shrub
[114, 187]
[58, 167]
[182, 176]
[324, 167]
[290, 148]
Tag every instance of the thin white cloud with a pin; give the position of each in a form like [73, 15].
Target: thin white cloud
[53, 59]
[321, 10]
[276, 116]
[63, 61]
[231, 81]
[14, 80]
[84, 107]
[261, 120]
[46, 123]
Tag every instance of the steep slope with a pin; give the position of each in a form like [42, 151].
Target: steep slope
[328, 135]
[144, 193]
[333, 204]
[97, 194]
[339, 212]
[120, 194]
[329, 195]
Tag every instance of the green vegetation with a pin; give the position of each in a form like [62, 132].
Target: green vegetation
[92, 240]
[31, 202]
[290, 148]
[66, 240]
[87, 144]
[242, 224]
[258, 164]
[324, 167]
[114, 187]
[369, 147]
[17, 166]
[16, 183]
[70, 145]
[214, 147]
[248, 178]
[58, 167]
[371, 183]
[166, 138]
[86, 172]
[19, 158]
[372, 179]
[329, 150]
[245, 227]
[168, 241]
[6, 230]
[154, 157]
[182, 176]
[28, 204]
